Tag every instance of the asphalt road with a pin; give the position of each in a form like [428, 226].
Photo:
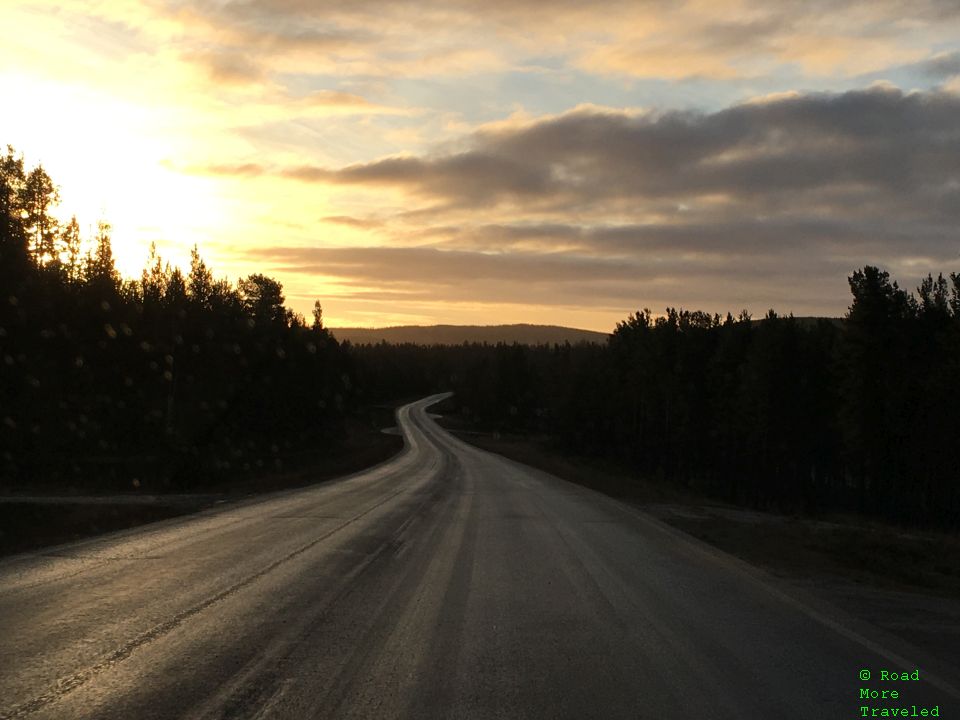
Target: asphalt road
[446, 583]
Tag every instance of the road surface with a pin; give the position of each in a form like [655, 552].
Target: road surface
[445, 583]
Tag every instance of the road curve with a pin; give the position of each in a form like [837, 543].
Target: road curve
[445, 583]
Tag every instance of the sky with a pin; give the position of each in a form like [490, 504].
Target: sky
[421, 162]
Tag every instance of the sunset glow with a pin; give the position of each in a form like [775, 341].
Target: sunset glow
[461, 162]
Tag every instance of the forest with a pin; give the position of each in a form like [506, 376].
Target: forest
[177, 379]
[172, 380]
[781, 414]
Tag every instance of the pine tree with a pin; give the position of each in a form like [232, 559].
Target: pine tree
[70, 241]
[200, 280]
[40, 195]
[100, 269]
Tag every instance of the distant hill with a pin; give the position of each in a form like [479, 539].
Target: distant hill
[458, 334]
[807, 321]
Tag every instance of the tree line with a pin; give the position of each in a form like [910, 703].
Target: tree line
[171, 380]
[798, 415]
[181, 378]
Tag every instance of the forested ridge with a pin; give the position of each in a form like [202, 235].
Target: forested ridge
[178, 377]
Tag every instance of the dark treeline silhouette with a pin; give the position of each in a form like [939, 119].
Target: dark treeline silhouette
[178, 379]
[172, 380]
[789, 414]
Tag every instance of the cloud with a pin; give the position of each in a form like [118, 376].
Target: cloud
[650, 39]
[417, 265]
[335, 102]
[236, 170]
[476, 176]
[232, 68]
[565, 279]
[878, 147]
[770, 202]
[354, 222]
[335, 98]
[941, 66]
[733, 237]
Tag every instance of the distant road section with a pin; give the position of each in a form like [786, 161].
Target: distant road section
[459, 334]
[445, 583]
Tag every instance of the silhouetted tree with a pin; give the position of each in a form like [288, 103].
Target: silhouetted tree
[955, 295]
[100, 271]
[200, 281]
[39, 196]
[262, 298]
[70, 239]
[13, 240]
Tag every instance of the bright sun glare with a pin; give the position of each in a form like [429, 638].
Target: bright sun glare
[114, 162]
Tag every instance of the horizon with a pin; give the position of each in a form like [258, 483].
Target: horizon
[390, 327]
[467, 164]
[536, 325]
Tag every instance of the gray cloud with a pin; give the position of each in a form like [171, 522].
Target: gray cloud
[473, 176]
[876, 148]
[532, 10]
[565, 279]
[376, 34]
[725, 237]
[770, 202]
[447, 267]
[941, 66]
